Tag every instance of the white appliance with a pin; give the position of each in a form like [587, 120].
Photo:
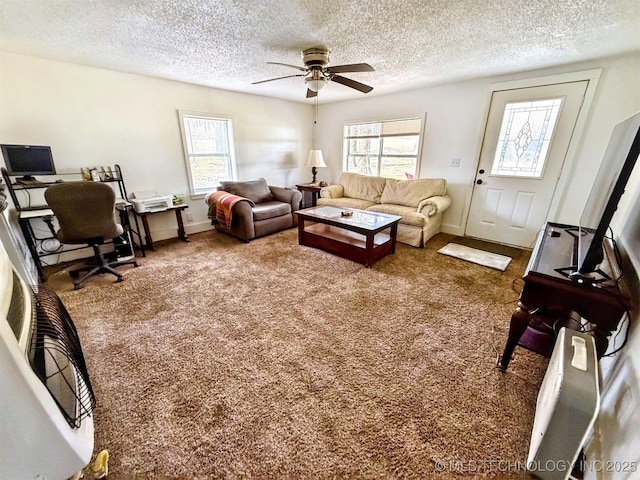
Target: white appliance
[145, 201]
[567, 406]
[46, 401]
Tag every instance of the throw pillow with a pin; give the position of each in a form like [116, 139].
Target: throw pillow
[364, 187]
[412, 192]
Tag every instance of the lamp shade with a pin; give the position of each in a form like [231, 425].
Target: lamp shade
[316, 81]
[316, 84]
[315, 159]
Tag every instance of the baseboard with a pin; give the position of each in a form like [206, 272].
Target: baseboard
[172, 232]
[198, 227]
[452, 229]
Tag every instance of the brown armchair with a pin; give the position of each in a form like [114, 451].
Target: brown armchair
[263, 209]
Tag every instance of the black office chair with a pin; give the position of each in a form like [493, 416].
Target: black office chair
[85, 213]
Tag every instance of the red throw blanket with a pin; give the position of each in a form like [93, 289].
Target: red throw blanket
[221, 206]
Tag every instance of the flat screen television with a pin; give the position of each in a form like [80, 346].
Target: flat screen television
[25, 161]
[618, 162]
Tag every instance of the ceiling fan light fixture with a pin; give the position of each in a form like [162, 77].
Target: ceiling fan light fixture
[316, 84]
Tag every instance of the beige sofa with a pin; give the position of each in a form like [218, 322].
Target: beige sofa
[419, 202]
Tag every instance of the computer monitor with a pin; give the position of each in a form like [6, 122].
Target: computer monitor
[25, 161]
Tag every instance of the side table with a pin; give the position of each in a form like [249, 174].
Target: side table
[314, 190]
[182, 234]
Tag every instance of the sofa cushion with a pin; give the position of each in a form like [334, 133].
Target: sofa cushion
[346, 202]
[266, 210]
[408, 214]
[256, 190]
[411, 192]
[362, 186]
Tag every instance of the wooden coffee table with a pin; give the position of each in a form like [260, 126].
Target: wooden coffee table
[360, 237]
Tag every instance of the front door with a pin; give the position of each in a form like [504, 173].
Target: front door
[525, 142]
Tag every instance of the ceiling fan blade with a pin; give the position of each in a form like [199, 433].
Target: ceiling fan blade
[278, 78]
[353, 67]
[311, 93]
[351, 83]
[302, 69]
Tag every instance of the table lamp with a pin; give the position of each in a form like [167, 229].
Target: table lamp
[314, 161]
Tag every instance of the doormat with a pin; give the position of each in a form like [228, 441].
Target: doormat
[492, 247]
[486, 259]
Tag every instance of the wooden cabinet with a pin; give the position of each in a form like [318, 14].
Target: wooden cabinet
[550, 300]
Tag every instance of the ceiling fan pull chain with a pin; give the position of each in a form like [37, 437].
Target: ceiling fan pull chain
[315, 121]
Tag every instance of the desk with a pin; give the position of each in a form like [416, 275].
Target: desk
[24, 220]
[313, 189]
[44, 213]
[29, 212]
[145, 223]
[549, 297]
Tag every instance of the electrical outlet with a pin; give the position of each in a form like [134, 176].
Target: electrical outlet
[189, 217]
[455, 162]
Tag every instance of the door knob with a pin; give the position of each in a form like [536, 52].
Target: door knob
[479, 182]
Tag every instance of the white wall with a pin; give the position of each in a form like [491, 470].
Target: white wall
[453, 123]
[454, 128]
[98, 117]
[91, 116]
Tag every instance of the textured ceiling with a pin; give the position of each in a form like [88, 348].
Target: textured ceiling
[410, 43]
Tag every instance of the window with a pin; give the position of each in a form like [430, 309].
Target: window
[525, 137]
[208, 149]
[384, 148]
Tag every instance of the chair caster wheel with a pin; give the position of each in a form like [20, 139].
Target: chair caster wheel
[136, 265]
[120, 279]
[77, 287]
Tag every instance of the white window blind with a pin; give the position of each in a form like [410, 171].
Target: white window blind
[387, 148]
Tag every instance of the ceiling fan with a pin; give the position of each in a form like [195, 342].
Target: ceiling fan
[317, 72]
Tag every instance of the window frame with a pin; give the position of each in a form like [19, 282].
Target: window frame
[232, 165]
[346, 139]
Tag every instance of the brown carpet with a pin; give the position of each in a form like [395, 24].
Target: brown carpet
[217, 358]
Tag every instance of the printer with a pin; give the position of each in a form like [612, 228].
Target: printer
[148, 201]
